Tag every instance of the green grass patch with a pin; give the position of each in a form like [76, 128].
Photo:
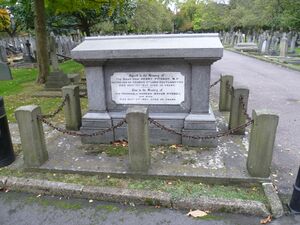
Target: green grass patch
[177, 188]
[108, 208]
[297, 50]
[112, 150]
[19, 91]
[71, 67]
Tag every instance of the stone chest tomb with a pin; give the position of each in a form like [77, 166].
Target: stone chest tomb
[170, 74]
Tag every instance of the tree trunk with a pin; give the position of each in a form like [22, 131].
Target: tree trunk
[41, 41]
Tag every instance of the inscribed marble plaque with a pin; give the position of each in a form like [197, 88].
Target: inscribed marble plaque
[149, 88]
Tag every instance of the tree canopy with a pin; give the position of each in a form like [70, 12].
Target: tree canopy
[208, 15]
[148, 16]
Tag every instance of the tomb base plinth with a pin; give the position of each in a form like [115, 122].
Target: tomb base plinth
[185, 123]
[56, 80]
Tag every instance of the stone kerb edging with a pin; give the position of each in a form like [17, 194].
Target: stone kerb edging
[142, 197]
[273, 199]
[262, 59]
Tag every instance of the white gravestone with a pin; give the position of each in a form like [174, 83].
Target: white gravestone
[142, 88]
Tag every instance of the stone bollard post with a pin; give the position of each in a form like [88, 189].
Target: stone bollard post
[138, 139]
[225, 92]
[261, 143]
[32, 135]
[237, 116]
[72, 107]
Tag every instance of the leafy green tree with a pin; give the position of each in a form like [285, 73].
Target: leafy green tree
[4, 19]
[190, 11]
[83, 8]
[86, 13]
[151, 16]
[209, 16]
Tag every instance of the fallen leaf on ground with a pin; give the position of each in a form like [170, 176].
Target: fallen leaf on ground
[123, 143]
[266, 220]
[173, 146]
[197, 213]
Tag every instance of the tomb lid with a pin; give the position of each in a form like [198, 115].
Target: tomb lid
[172, 46]
[5, 73]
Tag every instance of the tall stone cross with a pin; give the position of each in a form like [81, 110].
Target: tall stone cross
[53, 56]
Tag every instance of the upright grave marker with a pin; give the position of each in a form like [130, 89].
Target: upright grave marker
[170, 74]
[56, 79]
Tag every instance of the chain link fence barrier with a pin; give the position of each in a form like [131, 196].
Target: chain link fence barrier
[43, 118]
[215, 83]
[59, 109]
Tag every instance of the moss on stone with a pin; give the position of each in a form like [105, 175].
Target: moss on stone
[177, 188]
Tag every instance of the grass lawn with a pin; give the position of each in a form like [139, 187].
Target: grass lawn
[297, 51]
[19, 91]
[177, 188]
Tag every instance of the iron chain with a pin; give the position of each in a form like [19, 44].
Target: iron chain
[217, 135]
[229, 87]
[78, 133]
[244, 108]
[154, 122]
[60, 107]
[215, 83]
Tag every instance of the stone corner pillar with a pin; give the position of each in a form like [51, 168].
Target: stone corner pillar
[262, 138]
[72, 109]
[138, 139]
[32, 135]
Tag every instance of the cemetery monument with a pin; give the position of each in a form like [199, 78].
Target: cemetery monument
[170, 74]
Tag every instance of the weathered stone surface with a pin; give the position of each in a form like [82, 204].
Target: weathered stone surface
[5, 73]
[95, 122]
[246, 47]
[53, 56]
[106, 138]
[95, 88]
[56, 80]
[149, 46]
[156, 136]
[283, 46]
[262, 138]
[168, 73]
[225, 92]
[44, 187]
[237, 117]
[223, 205]
[140, 197]
[32, 135]
[274, 201]
[72, 109]
[138, 139]
[203, 142]
[74, 78]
